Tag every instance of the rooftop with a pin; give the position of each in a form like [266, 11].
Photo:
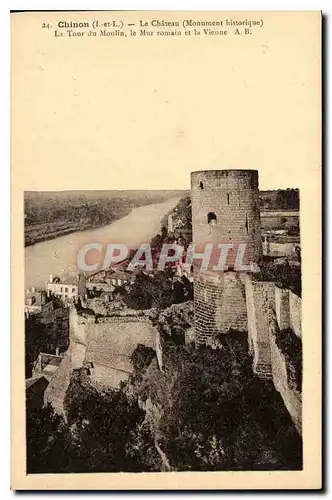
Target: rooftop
[47, 363]
[34, 296]
[29, 382]
[120, 275]
[65, 280]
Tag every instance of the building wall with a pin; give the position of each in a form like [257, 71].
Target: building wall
[63, 290]
[55, 323]
[105, 287]
[31, 310]
[277, 249]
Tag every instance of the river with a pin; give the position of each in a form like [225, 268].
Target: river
[59, 255]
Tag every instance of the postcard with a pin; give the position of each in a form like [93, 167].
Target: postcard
[166, 250]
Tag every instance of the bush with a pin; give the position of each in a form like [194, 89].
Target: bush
[47, 441]
[142, 357]
[291, 346]
[157, 292]
[102, 427]
[208, 412]
[284, 275]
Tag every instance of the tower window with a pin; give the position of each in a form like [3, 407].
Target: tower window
[246, 225]
[201, 186]
[211, 216]
[228, 198]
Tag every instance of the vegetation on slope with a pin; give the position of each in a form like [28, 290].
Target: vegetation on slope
[159, 291]
[204, 411]
[291, 347]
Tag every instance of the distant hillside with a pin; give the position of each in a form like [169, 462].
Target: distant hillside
[280, 199]
[48, 215]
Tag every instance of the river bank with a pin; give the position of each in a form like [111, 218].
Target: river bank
[49, 234]
[59, 255]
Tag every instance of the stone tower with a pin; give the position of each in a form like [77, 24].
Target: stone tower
[225, 210]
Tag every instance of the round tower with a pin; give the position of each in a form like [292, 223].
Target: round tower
[225, 210]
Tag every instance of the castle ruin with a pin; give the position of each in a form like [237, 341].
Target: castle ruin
[226, 210]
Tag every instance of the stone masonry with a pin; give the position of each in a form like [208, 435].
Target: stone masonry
[225, 209]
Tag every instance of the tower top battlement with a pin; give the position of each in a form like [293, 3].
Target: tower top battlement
[227, 179]
[225, 171]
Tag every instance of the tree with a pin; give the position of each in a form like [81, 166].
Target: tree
[101, 426]
[208, 412]
[164, 232]
[156, 242]
[288, 199]
[142, 357]
[147, 292]
[47, 441]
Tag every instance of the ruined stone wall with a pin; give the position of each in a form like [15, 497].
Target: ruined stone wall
[56, 390]
[123, 319]
[288, 309]
[268, 314]
[282, 307]
[291, 396]
[295, 312]
[219, 302]
[105, 346]
[73, 359]
[260, 300]
[159, 350]
[77, 330]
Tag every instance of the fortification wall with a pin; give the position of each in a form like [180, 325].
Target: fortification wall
[106, 346]
[268, 315]
[77, 331]
[123, 319]
[219, 302]
[280, 373]
[282, 307]
[56, 390]
[259, 300]
[159, 350]
[288, 308]
[295, 310]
